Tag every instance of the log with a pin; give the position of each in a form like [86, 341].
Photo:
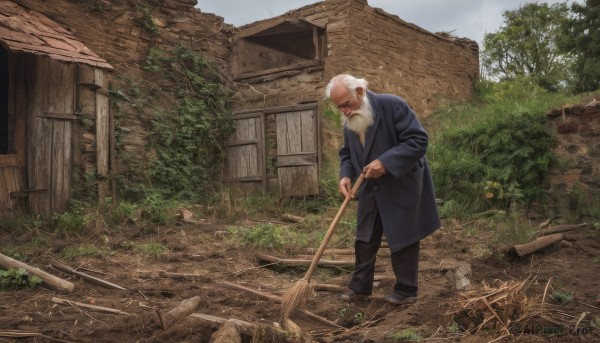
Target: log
[91, 279]
[49, 280]
[531, 247]
[277, 300]
[187, 307]
[302, 262]
[88, 306]
[335, 252]
[244, 327]
[329, 287]
[561, 228]
[291, 218]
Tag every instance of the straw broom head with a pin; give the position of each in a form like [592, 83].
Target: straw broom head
[295, 297]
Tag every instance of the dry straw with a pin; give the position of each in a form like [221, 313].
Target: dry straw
[296, 296]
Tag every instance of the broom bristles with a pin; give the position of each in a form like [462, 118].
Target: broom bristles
[295, 297]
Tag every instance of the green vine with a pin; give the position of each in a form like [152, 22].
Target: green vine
[188, 137]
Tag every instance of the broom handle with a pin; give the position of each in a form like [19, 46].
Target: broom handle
[329, 233]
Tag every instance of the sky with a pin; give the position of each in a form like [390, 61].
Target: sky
[462, 18]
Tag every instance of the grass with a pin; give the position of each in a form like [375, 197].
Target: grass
[405, 335]
[562, 296]
[152, 250]
[70, 253]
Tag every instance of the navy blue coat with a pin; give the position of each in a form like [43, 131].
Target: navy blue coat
[404, 196]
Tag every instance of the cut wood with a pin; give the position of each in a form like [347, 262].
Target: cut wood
[244, 327]
[91, 279]
[561, 228]
[531, 247]
[187, 307]
[329, 287]
[277, 300]
[302, 262]
[88, 306]
[291, 218]
[49, 280]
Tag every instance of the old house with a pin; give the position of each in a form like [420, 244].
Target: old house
[49, 82]
[282, 65]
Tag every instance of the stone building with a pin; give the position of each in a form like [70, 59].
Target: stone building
[281, 66]
[277, 67]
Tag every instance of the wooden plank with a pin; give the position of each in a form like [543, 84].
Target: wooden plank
[61, 83]
[297, 66]
[39, 143]
[102, 138]
[308, 134]
[112, 142]
[4, 192]
[20, 106]
[60, 116]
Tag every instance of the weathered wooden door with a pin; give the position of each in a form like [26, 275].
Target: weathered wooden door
[51, 112]
[297, 152]
[245, 150]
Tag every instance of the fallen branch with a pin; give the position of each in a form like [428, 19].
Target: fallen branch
[291, 218]
[49, 280]
[88, 306]
[183, 276]
[561, 228]
[329, 287]
[529, 248]
[302, 262]
[91, 279]
[187, 307]
[277, 300]
[334, 252]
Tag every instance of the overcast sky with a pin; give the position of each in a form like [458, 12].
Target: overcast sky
[463, 18]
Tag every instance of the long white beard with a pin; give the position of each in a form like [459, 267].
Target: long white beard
[361, 119]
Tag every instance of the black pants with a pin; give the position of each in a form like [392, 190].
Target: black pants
[405, 264]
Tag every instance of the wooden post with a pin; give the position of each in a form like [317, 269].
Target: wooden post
[102, 136]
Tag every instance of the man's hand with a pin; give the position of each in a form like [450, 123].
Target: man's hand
[345, 186]
[374, 170]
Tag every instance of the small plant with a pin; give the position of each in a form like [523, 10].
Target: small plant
[17, 278]
[153, 250]
[454, 327]
[84, 250]
[70, 222]
[405, 335]
[561, 296]
[263, 236]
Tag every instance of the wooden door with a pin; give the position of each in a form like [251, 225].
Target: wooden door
[245, 150]
[297, 152]
[51, 112]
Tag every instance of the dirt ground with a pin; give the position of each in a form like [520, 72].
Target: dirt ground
[205, 251]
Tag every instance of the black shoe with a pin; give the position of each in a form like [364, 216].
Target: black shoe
[352, 295]
[397, 299]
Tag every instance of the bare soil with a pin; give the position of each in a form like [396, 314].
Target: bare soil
[206, 251]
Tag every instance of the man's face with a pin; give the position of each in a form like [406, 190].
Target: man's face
[345, 101]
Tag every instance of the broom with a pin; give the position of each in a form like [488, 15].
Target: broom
[297, 295]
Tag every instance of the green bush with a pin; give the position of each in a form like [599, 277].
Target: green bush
[17, 278]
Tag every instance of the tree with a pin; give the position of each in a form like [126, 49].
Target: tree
[581, 38]
[526, 46]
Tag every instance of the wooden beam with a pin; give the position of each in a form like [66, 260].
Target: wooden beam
[49, 280]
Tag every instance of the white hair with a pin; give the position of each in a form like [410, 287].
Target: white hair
[351, 82]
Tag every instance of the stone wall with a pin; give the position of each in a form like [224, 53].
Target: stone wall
[578, 150]
[395, 57]
[122, 32]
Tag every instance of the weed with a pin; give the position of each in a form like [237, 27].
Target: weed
[263, 236]
[70, 222]
[153, 250]
[562, 296]
[405, 335]
[71, 253]
[454, 328]
[17, 278]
